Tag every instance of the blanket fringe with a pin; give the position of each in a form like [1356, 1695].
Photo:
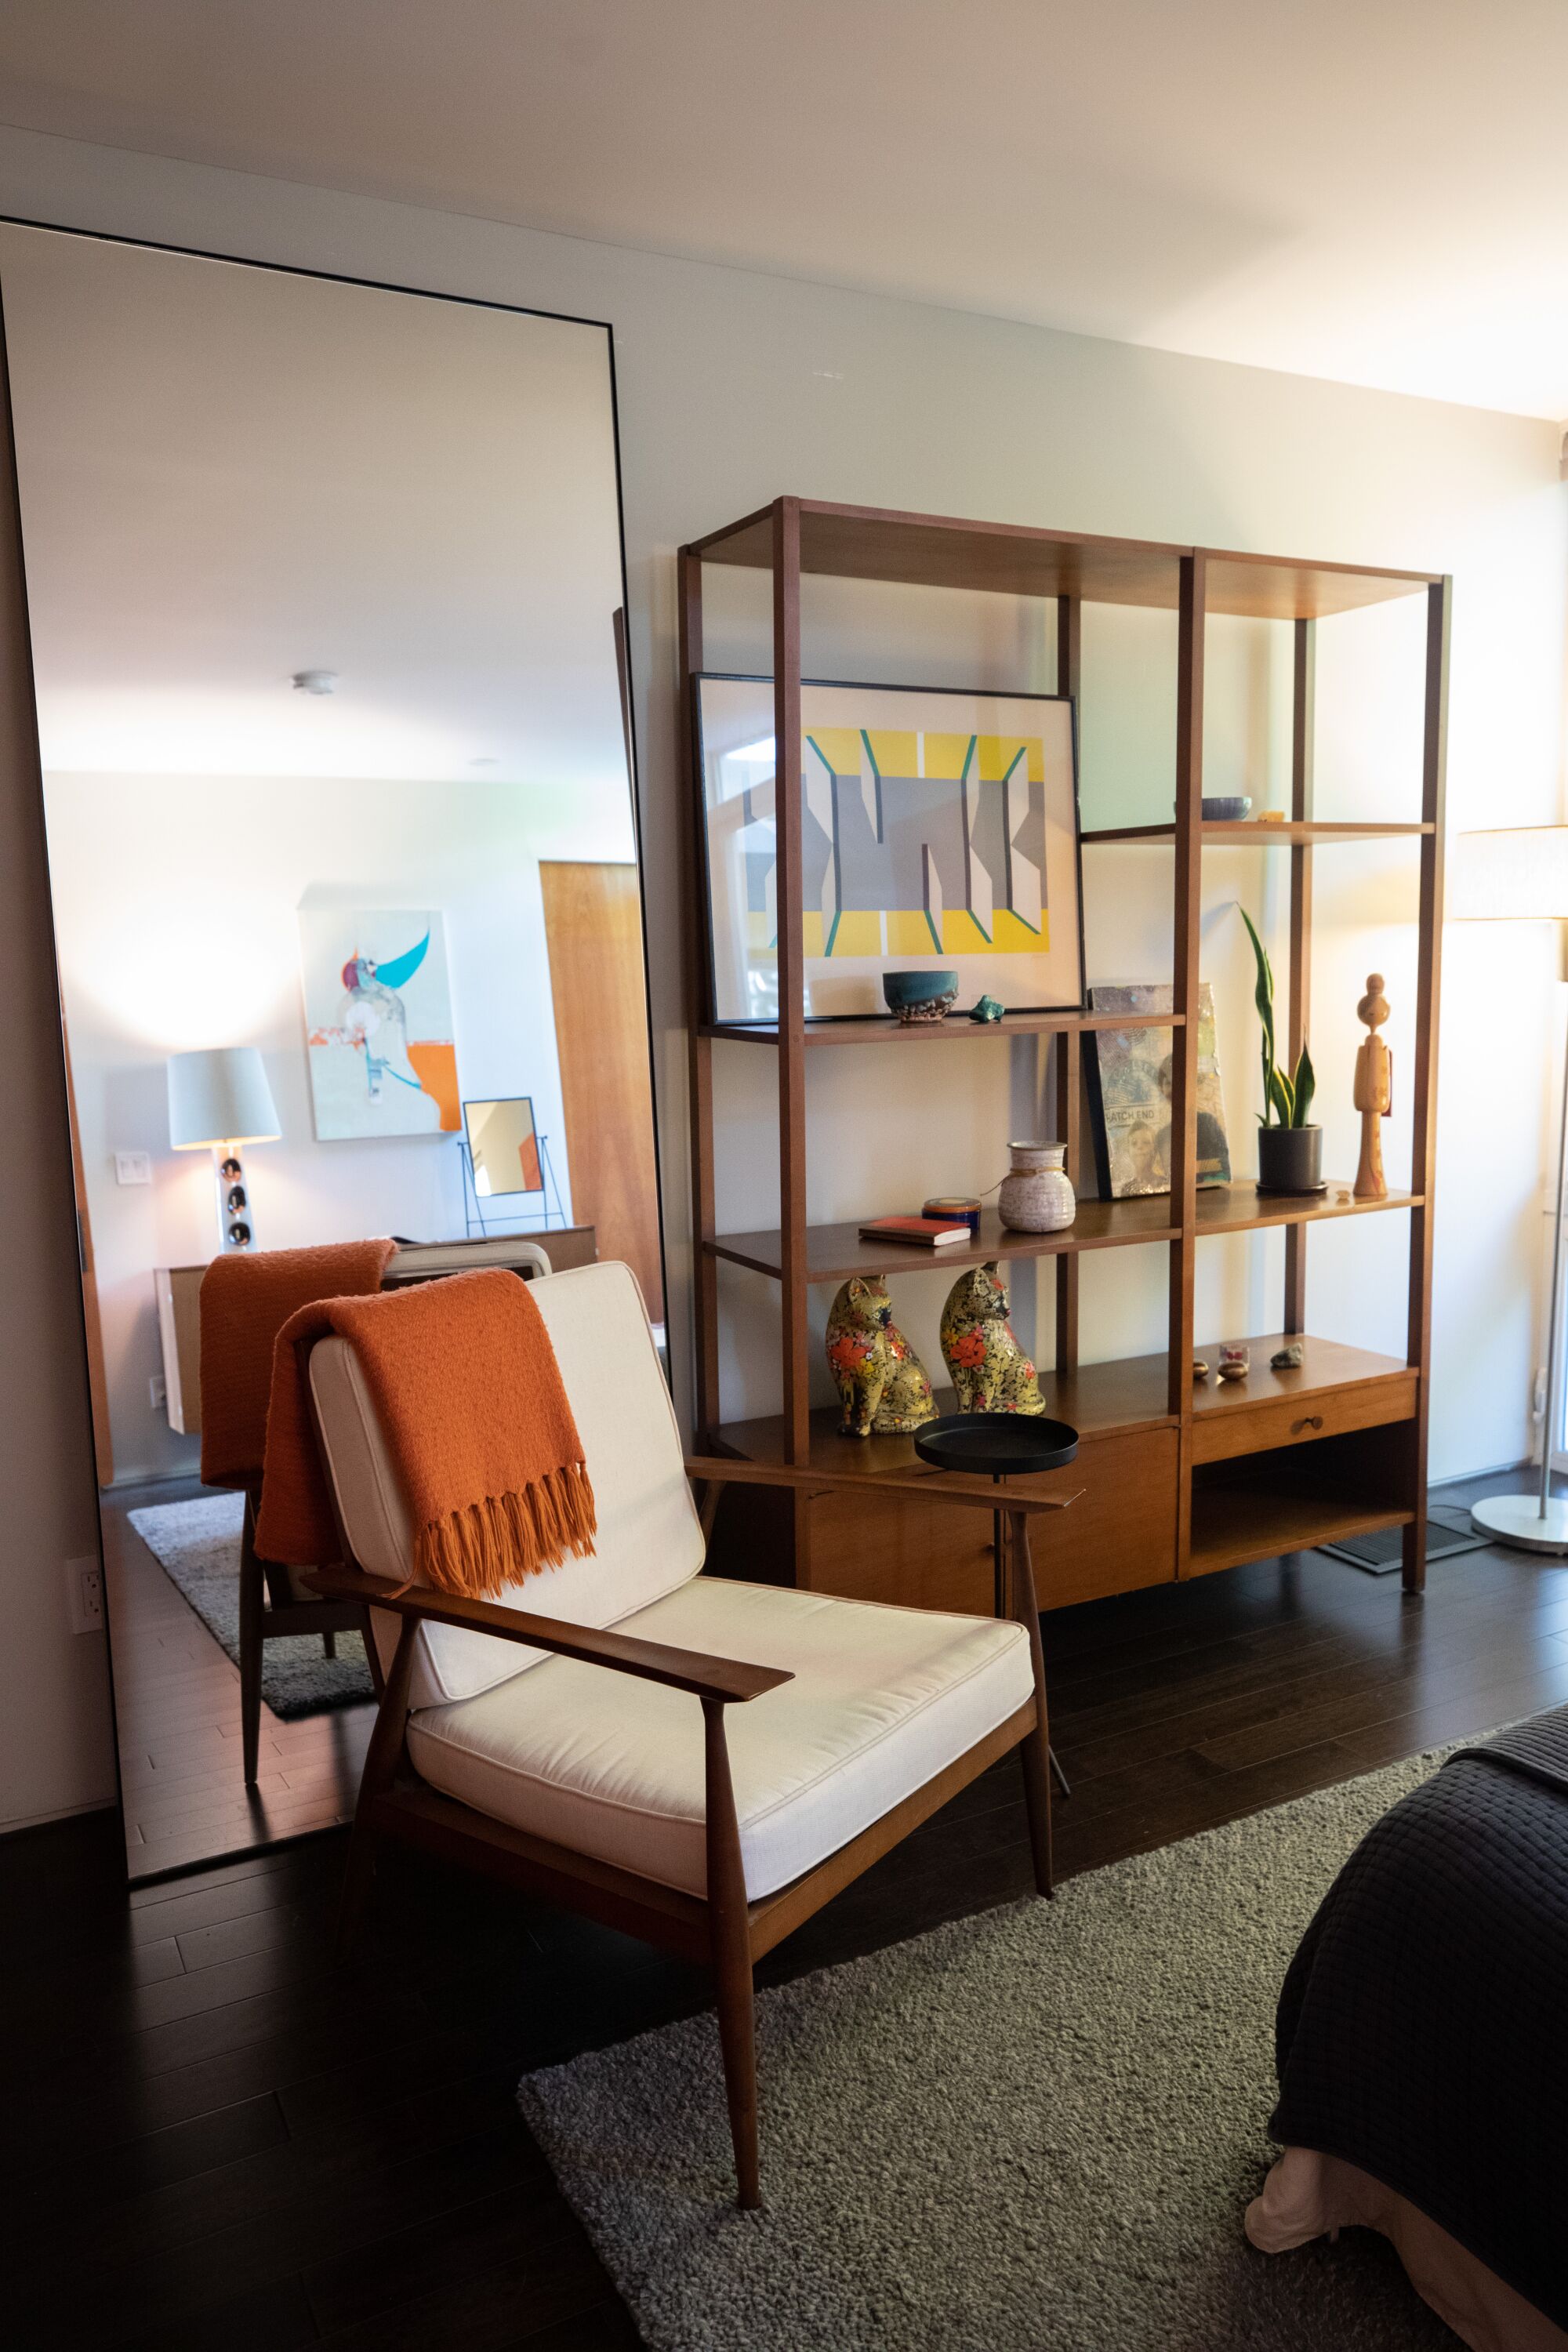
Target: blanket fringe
[480, 1549]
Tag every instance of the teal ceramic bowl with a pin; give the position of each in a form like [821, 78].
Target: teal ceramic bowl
[919, 991]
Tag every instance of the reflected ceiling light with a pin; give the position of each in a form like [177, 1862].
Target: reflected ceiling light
[315, 681]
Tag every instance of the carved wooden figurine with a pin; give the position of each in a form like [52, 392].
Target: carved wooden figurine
[1373, 1091]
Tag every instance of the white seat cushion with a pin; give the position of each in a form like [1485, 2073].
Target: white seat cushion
[649, 1538]
[882, 1701]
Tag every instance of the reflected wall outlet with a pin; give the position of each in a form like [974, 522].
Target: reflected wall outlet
[133, 1167]
[158, 1392]
[84, 1591]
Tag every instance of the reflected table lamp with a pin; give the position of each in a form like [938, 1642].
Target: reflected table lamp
[219, 1100]
[1521, 875]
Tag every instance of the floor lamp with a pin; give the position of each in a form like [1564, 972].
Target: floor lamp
[1521, 876]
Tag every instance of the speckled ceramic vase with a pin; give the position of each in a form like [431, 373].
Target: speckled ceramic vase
[1036, 1194]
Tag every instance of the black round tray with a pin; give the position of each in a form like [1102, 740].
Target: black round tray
[996, 1444]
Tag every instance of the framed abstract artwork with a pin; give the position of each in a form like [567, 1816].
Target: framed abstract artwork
[940, 832]
[1128, 1074]
[378, 1019]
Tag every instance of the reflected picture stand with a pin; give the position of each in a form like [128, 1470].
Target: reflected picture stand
[474, 1208]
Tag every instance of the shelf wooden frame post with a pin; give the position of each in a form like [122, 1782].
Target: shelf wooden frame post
[1067, 1048]
[698, 1044]
[1423, 1140]
[1190, 629]
[1303, 707]
[787, 833]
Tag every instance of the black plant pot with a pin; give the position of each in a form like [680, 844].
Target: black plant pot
[1290, 1158]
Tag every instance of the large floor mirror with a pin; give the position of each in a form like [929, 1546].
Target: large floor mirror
[325, 584]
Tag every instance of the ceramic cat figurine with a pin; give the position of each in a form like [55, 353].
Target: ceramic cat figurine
[990, 1370]
[882, 1384]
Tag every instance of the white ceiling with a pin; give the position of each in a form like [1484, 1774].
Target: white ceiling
[230, 475]
[1369, 189]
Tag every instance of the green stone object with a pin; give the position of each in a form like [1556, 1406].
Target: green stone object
[986, 1009]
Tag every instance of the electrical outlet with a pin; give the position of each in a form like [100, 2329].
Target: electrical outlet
[133, 1167]
[84, 1591]
[158, 1392]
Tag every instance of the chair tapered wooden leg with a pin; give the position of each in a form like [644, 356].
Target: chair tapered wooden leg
[251, 1603]
[728, 1930]
[382, 1759]
[330, 1644]
[1034, 1750]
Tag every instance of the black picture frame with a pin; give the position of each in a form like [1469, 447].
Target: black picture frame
[713, 1013]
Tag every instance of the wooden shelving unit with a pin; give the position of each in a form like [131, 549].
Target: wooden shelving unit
[1175, 1480]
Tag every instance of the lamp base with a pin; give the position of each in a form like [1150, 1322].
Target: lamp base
[1517, 1519]
[237, 1227]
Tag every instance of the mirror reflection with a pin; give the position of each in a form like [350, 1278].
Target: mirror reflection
[324, 581]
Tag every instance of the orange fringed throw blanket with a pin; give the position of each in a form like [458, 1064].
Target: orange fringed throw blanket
[245, 1300]
[475, 1418]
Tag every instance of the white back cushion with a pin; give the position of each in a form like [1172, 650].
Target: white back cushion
[649, 1539]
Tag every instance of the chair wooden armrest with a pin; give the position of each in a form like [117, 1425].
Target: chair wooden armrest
[941, 1487]
[726, 1681]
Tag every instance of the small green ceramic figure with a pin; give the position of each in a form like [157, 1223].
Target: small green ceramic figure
[985, 1008]
[882, 1384]
[990, 1370]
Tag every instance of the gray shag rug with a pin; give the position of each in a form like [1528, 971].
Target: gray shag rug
[1033, 2131]
[196, 1545]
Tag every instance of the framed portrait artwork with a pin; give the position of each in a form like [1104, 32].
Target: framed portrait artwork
[940, 832]
[1129, 1075]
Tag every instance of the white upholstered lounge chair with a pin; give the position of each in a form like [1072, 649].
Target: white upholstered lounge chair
[698, 1761]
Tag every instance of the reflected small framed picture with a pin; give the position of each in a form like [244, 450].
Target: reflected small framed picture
[939, 832]
[503, 1147]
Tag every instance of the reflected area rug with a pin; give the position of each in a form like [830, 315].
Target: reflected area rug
[1033, 2131]
[196, 1545]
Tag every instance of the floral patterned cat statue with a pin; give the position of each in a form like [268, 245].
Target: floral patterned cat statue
[882, 1384]
[990, 1370]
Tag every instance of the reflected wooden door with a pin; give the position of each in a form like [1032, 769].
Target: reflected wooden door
[593, 930]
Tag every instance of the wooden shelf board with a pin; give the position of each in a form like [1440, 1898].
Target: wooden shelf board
[1240, 1208]
[1102, 1401]
[882, 1029]
[1252, 834]
[835, 1252]
[947, 552]
[1098, 1401]
[1232, 1524]
[1325, 1364]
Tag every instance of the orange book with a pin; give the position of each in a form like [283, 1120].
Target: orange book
[925, 1233]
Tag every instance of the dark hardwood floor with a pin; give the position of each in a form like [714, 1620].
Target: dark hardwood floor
[221, 2142]
[176, 1698]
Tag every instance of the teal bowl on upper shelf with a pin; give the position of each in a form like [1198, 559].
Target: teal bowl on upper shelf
[920, 995]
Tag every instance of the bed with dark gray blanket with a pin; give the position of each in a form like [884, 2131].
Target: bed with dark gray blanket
[1422, 2029]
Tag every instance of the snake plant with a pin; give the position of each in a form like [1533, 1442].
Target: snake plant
[1286, 1100]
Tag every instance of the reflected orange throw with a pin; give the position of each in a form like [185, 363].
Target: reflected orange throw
[246, 1299]
[477, 1421]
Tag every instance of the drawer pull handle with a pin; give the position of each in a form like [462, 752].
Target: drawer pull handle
[1313, 1421]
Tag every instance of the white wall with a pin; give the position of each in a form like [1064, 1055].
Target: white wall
[733, 387]
[175, 912]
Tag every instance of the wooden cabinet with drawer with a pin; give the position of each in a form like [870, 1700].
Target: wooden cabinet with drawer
[1274, 1420]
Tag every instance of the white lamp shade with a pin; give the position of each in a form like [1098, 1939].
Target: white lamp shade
[220, 1095]
[1518, 876]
